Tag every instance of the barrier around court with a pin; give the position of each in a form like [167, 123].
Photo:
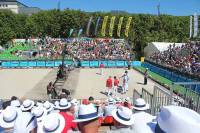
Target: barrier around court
[56, 63]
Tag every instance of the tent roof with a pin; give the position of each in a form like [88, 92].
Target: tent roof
[162, 46]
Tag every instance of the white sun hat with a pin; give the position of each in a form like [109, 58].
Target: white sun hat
[8, 117]
[27, 105]
[75, 102]
[48, 106]
[174, 119]
[15, 103]
[140, 104]
[63, 104]
[127, 99]
[123, 115]
[87, 113]
[53, 123]
[39, 113]
[111, 100]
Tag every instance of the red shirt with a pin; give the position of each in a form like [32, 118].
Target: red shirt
[101, 65]
[68, 122]
[109, 82]
[116, 82]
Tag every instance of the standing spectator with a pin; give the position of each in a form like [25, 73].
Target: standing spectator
[116, 84]
[101, 68]
[64, 107]
[109, 85]
[145, 76]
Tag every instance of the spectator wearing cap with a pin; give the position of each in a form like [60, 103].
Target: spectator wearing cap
[7, 119]
[26, 122]
[64, 107]
[39, 113]
[123, 120]
[88, 119]
[109, 85]
[53, 123]
[175, 119]
[141, 118]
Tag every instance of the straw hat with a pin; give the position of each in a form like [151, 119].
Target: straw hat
[39, 113]
[15, 103]
[48, 106]
[27, 105]
[63, 104]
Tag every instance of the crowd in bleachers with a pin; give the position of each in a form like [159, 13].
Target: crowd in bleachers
[89, 115]
[185, 58]
[81, 49]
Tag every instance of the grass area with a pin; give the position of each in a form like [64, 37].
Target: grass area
[163, 81]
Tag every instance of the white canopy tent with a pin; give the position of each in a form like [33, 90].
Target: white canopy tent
[158, 47]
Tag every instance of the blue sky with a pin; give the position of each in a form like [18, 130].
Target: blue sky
[172, 7]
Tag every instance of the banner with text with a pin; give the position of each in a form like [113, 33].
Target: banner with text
[191, 26]
[112, 23]
[195, 25]
[119, 26]
[88, 26]
[97, 25]
[103, 30]
[128, 26]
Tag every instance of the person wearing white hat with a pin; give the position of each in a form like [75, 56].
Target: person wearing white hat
[64, 107]
[15, 103]
[53, 123]
[39, 113]
[7, 119]
[48, 106]
[88, 119]
[108, 119]
[123, 120]
[140, 105]
[141, 118]
[26, 122]
[175, 119]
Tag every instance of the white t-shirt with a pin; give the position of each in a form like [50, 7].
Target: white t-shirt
[25, 123]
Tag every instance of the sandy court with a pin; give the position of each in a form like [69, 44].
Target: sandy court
[90, 83]
[20, 82]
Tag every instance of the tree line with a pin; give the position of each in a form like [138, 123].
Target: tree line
[144, 27]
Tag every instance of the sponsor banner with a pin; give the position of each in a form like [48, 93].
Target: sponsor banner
[88, 26]
[128, 26]
[112, 24]
[111, 64]
[103, 30]
[49, 63]
[119, 26]
[97, 24]
[68, 62]
[14, 64]
[5, 64]
[41, 63]
[94, 63]
[23, 64]
[119, 63]
[32, 63]
[58, 63]
[70, 32]
[85, 63]
[80, 32]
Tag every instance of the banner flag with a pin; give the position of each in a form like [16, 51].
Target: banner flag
[103, 30]
[80, 32]
[112, 23]
[97, 24]
[88, 26]
[119, 26]
[128, 26]
[71, 31]
[195, 25]
[191, 20]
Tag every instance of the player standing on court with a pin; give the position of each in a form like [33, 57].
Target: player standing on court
[101, 68]
[125, 82]
[116, 84]
[109, 85]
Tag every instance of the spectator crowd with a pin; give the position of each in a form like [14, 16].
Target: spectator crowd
[89, 115]
[185, 58]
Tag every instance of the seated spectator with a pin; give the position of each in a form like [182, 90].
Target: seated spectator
[7, 119]
[53, 123]
[88, 119]
[64, 107]
[123, 120]
[26, 122]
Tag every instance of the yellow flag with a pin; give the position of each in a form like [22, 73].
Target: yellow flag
[128, 26]
[103, 30]
[119, 26]
[112, 22]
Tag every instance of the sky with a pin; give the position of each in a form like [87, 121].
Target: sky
[171, 7]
